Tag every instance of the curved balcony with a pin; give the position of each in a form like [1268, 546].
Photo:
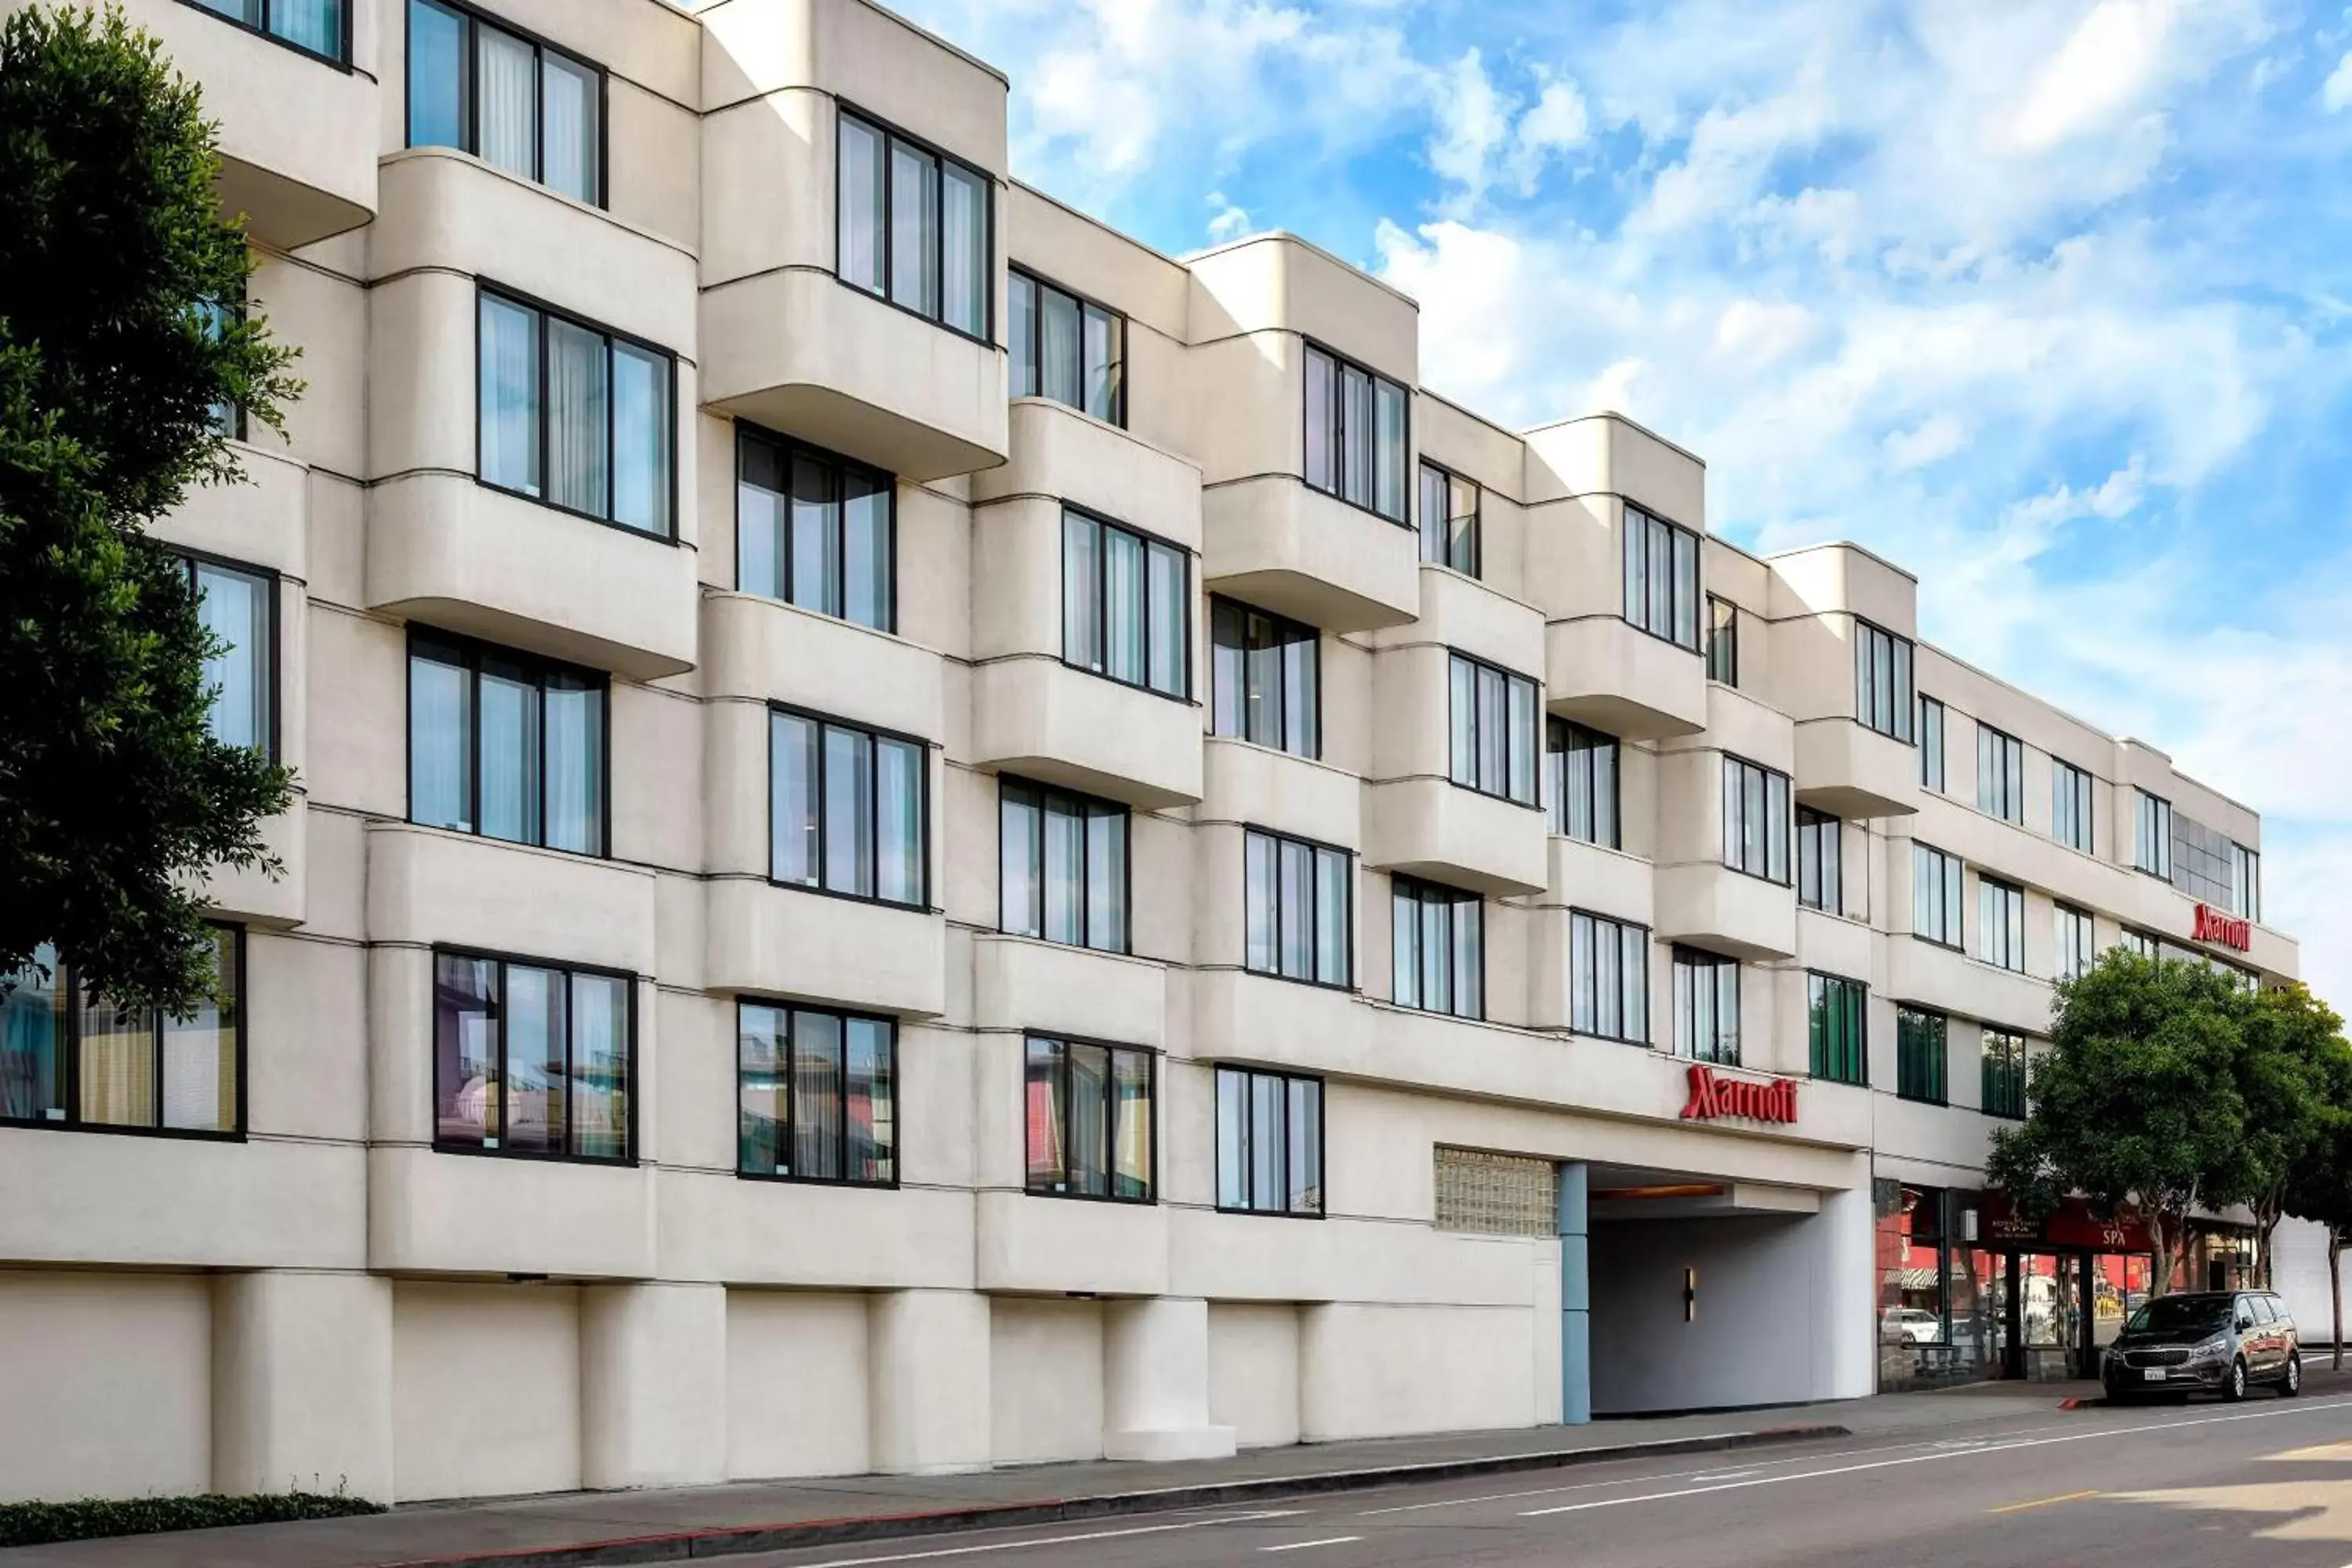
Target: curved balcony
[1270, 542]
[764, 649]
[1849, 770]
[843, 952]
[1715, 906]
[1057, 453]
[1021, 983]
[1432, 828]
[1603, 672]
[1259, 786]
[1035, 716]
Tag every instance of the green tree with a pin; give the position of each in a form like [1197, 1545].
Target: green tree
[120, 333]
[2136, 1104]
[2322, 1193]
[2295, 1071]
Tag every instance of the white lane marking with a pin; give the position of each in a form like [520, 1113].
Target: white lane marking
[1057, 1540]
[1303, 1545]
[1927, 1458]
[1726, 1475]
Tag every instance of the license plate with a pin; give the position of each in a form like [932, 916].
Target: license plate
[2153, 1374]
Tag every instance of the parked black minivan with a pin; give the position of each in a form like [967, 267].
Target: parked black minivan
[2210, 1339]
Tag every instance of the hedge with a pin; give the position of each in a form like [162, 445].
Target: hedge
[39, 1523]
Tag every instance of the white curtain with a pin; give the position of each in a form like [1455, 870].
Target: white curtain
[315, 25]
[509, 395]
[504, 106]
[235, 607]
[579, 422]
[640, 439]
[568, 116]
[575, 766]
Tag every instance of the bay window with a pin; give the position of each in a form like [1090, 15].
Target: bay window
[1492, 740]
[913, 226]
[1449, 520]
[1298, 908]
[1438, 948]
[1265, 679]
[321, 27]
[1357, 435]
[69, 1057]
[1063, 860]
[516, 103]
[574, 415]
[1935, 880]
[505, 744]
[816, 1095]
[532, 1061]
[814, 530]
[1706, 1006]
[1125, 606]
[1609, 978]
[1835, 1010]
[1269, 1142]
[1581, 792]
[1065, 347]
[1755, 819]
[1088, 1114]
[1882, 680]
[845, 809]
[1661, 587]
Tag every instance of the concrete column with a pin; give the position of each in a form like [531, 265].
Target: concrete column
[1846, 1327]
[1575, 1298]
[652, 1385]
[927, 1381]
[303, 1383]
[1156, 1382]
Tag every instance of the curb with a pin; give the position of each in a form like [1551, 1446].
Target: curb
[695, 1545]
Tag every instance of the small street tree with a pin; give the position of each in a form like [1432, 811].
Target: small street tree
[2294, 1072]
[122, 333]
[2322, 1193]
[2136, 1103]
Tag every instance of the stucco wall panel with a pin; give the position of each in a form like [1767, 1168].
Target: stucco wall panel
[485, 1381]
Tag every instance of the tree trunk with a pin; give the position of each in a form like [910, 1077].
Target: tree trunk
[2160, 1233]
[2336, 1291]
[2266, 1219]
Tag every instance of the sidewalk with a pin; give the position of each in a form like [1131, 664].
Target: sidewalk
[578, 1530]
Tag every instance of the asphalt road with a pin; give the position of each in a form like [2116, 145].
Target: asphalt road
[2266, 1484]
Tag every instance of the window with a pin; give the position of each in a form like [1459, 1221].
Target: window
[1706, 1006]
[2001, 773]
[1920, 1055]
[2140, 944]
[574, 416]
[1298, 899]
[814, 530]
[1722, 640]
[1882, 680]
[1265, 677]
[1931, 744]
[1269, 1142]
[1449, 520]
[215, 318]
[506, 745]
[1609, 978]
[1662, 578]
[1755, 819]
[1125, 606]
[1580, 794]
[2000, 923]
[70, 1059]
[1069, 349]
[1820, 871]
[845, 809]
[1935, 895]
[1356, 435]
[2004, 1074]
[321, 27]
[512, 102]
[2152, 845]
[816, 1095]
[1836, 1010]
[1063, 858]
[2073, 948]
[2202, 865]
[1089, 1118]
[240, 609]
[914, 228]
[531, 1059]
[1494, 731]
[2245, 882]
[2070, 805]
[1438, 943]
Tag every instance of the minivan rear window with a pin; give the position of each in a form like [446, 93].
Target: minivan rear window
[2198, 1315]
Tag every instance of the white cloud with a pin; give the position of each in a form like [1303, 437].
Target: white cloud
[1228, 222]
[1933, 439]
[1473, 120]
[2101, 72]
[2335, 93]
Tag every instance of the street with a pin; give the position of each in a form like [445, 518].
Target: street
[2264, 1485]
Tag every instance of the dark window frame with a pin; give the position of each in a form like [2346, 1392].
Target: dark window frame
[2063, 913]
[473, 650]
[920, 905]
[1698, 960]
[1617, 928]
[1451, 477]
[1110, 1118]
[1910, 1073]
[793, 1098]
[630, 1078]
[1953, 904]
[1347, 918]
[1250, 1075]
[1735, 854]
[2001, 1083]
[1719, 638]
[1931, 752]
[787, 448]
[540, 421]
[2013, 896]
[1419, 891]
[1903, 675]
[238, 1016]
[274, 582]
[1555, 789]
[1631, 510]
[1043, 791]
[1825, 861]
[2142, 800]
[1037, 345]
[541, 48]
[1998, 746]
[1283, 629]
[1512, 739]
[2082, 799]
[1407, 481]
[1825, 991]
[341, 62]
[890, 132]
[1105, 526]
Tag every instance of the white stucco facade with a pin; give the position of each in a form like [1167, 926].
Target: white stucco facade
[334, 1294]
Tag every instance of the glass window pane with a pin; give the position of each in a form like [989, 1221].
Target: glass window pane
[1297, 937]
[1260, 904]
[33, 1043]
[1107, 879]
[235, 607]
[1583, 996]
[1322, 420]
[315, 25]
[1306, 1146]
[1332, 890]
[792, 799]
[1265, 711]
[1089, 1123]
[1469, 958]
[1021, 334]
[848, 811]
[1662, 582]
[1131, 1152]
[1045, 1114]
[508, 436]
[869, 1089]
[1064, 868]
[506, 82]
[899, 768]
[1123, 608]
[816, 537]
[466, 1051]
[1169, 603]
[1081, 591]
[575, 763]
[569, 109]
[858, 218]
[537, 1026]
[914, 228]
[1432, 513]
[641, 427]
[1106, 356]
[1355, 435]
[1436, 954]
[1636, 979]
[868, 554]
[1404, 949]
[200, 1053]
[440, 739]
[1058, 345]
[965, 241]
[437, 76]
[1225, 668]
[1389, 457]
[579, 422]
[1269, 1160]
[1302, 698]
[1019, 847]
[510, 762]
[117, 1048]
[816, 1096]
[1521, 740]
[1686, 589]
[760, 1091]
[760, 507]
[1637, 573]
[1463, 717]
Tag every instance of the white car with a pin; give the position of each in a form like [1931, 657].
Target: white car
[1916, 1324]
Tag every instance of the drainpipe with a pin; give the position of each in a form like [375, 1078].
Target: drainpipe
[1575, 1299]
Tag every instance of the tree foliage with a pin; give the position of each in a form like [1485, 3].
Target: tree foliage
[115, 350]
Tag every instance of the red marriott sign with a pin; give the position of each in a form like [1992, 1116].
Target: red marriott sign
[2212, 925]
[1712, 1097]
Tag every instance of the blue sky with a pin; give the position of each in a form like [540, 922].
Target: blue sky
[2048, 301]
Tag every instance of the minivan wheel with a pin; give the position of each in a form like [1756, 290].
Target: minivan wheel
[2291, 1384]
[2235, 1389]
